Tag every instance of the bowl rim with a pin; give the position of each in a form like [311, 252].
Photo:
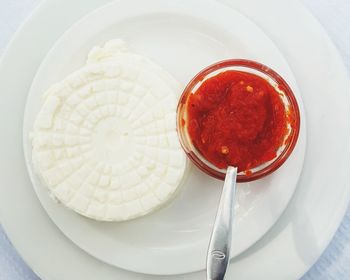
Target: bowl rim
[282, 85]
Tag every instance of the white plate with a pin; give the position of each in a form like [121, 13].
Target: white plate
[183, 40]
[299, 236]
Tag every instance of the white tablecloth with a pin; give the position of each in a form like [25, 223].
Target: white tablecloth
[334, 15]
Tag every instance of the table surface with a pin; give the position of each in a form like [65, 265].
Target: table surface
[334, 264]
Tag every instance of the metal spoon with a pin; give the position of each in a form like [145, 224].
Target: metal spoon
[220, 242]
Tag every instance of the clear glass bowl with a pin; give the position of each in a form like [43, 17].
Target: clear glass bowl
[277, 82]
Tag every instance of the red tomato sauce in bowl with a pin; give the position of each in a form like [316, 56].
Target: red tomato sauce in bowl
[238, 113]
[237, 119]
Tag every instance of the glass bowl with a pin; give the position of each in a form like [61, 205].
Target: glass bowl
[287, 97]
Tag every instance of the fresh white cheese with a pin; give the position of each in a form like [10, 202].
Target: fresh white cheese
[104, 141]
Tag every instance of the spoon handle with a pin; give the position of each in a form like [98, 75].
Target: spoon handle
[220, 242]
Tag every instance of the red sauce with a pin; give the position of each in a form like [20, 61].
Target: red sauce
[237, 118]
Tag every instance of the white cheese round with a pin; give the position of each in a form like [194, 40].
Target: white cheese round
[105, 142]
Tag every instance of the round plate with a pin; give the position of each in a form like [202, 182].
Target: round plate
[183, 40]
[304, 229]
